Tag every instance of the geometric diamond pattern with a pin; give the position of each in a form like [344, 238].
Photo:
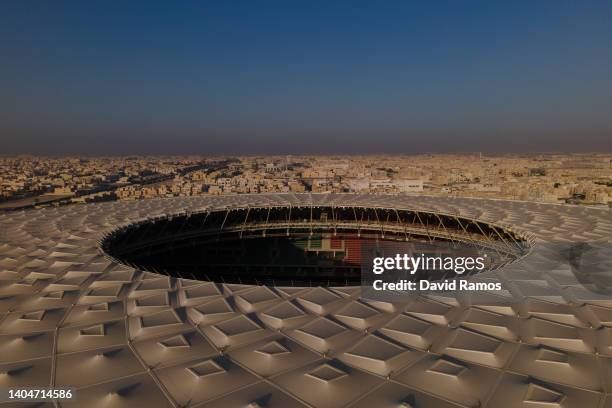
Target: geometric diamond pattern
[149, 340]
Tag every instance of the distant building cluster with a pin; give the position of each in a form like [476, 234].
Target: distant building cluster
[562, 178]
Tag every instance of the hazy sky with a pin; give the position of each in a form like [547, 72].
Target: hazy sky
[235, 77]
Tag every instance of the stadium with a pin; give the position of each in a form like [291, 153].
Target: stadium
[256, 301]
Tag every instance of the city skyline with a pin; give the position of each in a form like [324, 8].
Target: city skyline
[305, 78]
[30, 181]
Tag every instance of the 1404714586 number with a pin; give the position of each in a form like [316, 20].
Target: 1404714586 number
[37, 394]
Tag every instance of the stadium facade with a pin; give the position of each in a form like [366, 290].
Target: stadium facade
[78, 308]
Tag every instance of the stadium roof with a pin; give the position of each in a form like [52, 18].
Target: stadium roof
[70, 315]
